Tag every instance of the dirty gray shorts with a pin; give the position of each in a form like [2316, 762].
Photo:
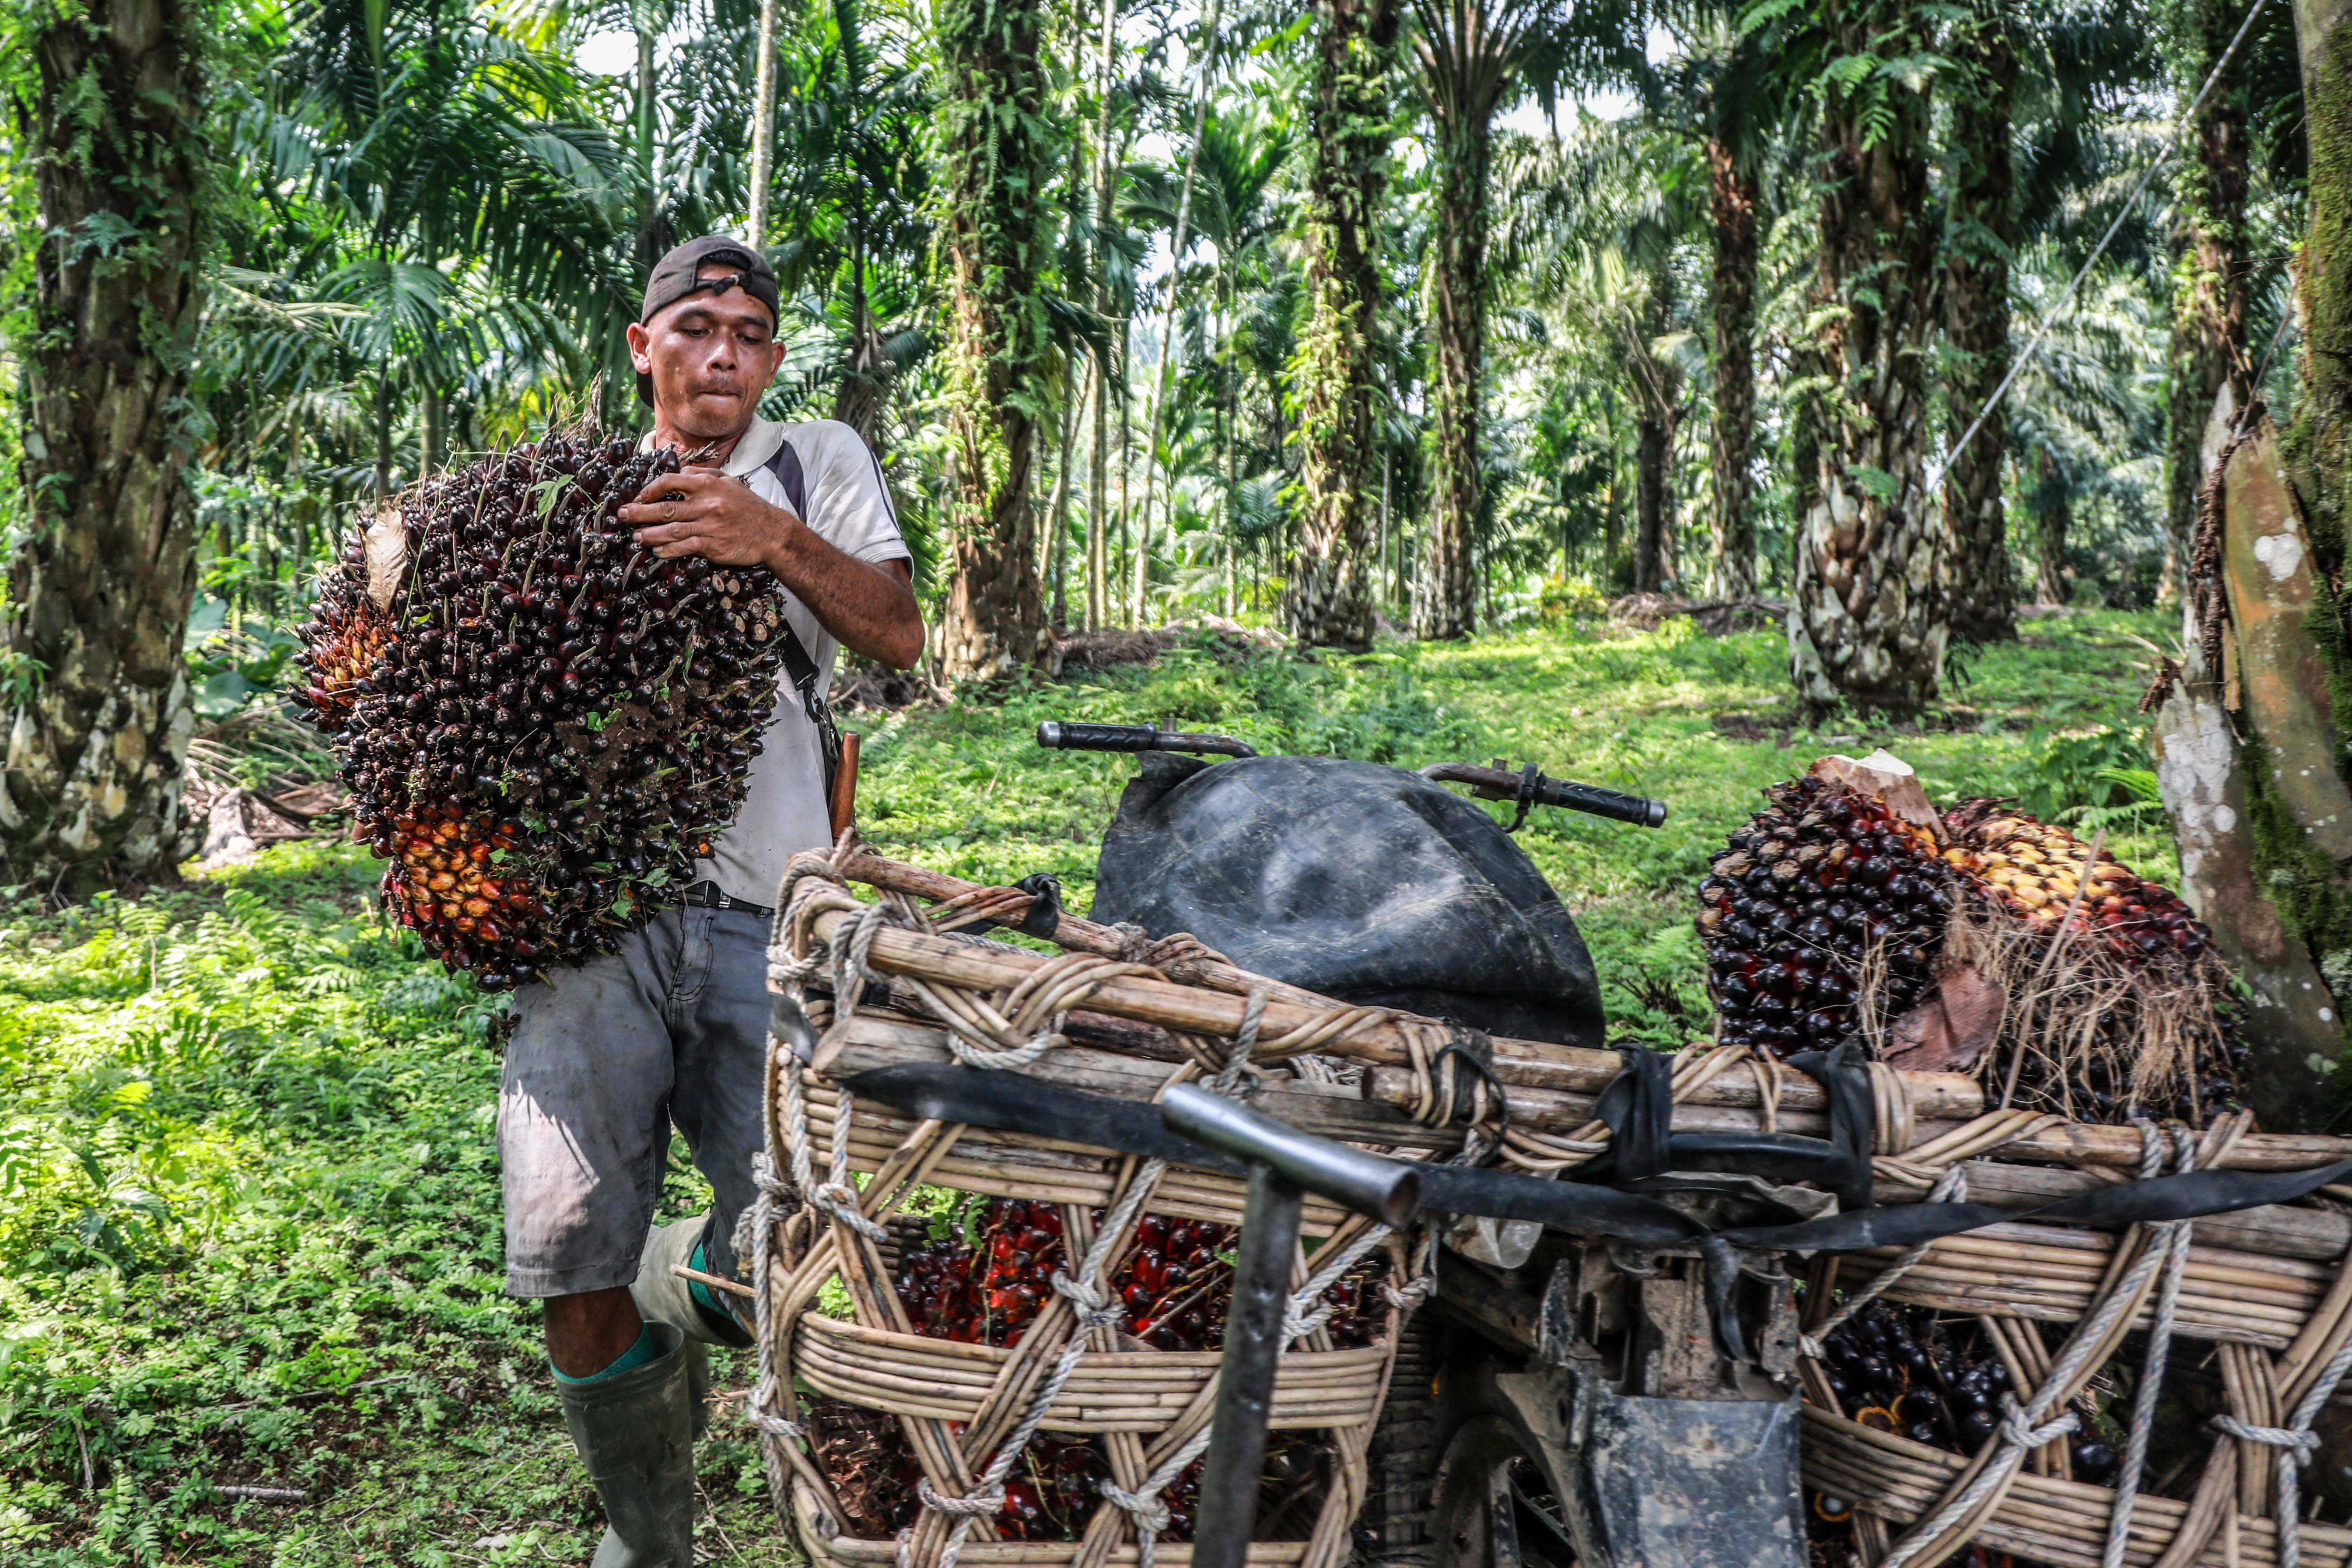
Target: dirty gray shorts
[672, 1028]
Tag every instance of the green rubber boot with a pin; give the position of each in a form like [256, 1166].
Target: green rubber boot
[663, 1297]
[634, 1432]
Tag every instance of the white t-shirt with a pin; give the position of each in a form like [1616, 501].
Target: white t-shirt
[784, 808]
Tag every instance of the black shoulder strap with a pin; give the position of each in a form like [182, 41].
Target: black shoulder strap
[798, 666]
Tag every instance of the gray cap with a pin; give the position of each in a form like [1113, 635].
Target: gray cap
[674, 279]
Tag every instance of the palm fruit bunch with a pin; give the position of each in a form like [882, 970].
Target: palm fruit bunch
[1825, 894]
[2078, 935]
[1901, 1370]
[543, 726]
[2035, 869]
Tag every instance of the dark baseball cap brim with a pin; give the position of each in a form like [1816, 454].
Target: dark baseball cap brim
[676, 276]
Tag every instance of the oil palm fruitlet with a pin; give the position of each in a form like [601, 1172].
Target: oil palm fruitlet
[1827, 906]
[543, 725]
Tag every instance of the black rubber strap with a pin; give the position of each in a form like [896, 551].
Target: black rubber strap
[1529, 779]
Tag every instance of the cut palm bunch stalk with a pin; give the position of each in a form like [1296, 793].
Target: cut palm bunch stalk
[1977, 939]
[542, 724]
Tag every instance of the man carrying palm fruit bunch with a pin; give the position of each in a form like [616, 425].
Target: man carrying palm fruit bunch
[673, 1026]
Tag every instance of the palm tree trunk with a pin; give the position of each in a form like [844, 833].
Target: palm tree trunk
[1732, 196]
[1446, 603]
[1335, 369]
[1976, 323]
[1169, 363]
[432, 425]
[997, 169]
[763, 120]
[1652, 441]
[1098, 471]
[90, 672]
[1870, 626]
[2212, 274]
[2056, 509]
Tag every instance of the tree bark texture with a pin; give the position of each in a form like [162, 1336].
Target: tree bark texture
[99, 589]
[1445, 601]
[1868, 624]
[2055, 517]
[1978, 583]
[999, 154]
[1335, 369]
[2212, 274]
[1657, 407]
[1652, 501]
[1732, 196]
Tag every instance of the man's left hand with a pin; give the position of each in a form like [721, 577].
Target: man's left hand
[716, 517]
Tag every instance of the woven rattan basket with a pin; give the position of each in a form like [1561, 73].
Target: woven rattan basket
[958, 1404]
[2266, 1293]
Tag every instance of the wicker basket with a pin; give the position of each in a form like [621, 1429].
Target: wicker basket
[957, 1403]
[2278, 1324]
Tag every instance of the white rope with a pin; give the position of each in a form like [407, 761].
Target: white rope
[1951, 1187]
[2295, 1442]
[2172, 1235]
[836, 1197]
[765, 1408]
[2050, 318]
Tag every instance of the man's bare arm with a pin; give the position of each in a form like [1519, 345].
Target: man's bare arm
[870, 608]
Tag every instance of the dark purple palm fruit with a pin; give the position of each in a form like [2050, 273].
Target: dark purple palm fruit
[1823, 895]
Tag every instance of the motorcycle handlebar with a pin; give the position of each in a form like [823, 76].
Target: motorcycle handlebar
[1501, 783]
[1385, 1190]
[1056, 735]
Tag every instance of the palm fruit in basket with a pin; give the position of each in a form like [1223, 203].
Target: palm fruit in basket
[1174, 1283]
[1904, 1370]
[1825, 910]
[542, 725]
[2117, 1000]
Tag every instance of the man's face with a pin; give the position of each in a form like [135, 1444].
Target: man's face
[710, 356]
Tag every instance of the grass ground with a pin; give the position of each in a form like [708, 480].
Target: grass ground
[248, 1197]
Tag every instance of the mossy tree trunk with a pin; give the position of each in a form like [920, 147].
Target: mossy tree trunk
[1732, 197]
[1982, 231]
[1657, 404]
[1868, 623]
[91, 674]
[1445, 598]
[1335, 369]
[2212, 272]
[997, 160]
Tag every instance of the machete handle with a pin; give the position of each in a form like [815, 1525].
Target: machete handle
[1384, 1190]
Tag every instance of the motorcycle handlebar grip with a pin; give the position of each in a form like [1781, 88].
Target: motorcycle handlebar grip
[1385, 1190]
[1634, 808]
[1058, 736]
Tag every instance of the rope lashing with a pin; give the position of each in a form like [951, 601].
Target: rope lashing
[2295, 1443]
[2038, 1421]
[1145, 1506]
[836, 1198]
[765, 1408]
[2172, 1235]
[1951, 1187]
